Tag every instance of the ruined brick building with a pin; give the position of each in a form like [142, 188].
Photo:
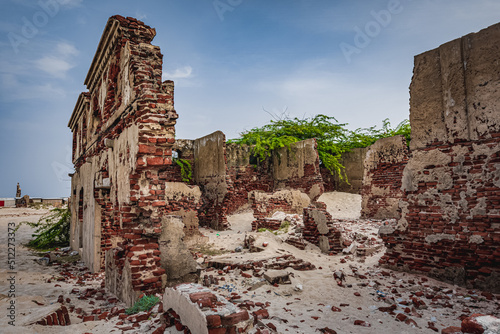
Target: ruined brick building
[134, 212]
[123, 131]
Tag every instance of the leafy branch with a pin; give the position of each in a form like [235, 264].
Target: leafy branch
[52, 230]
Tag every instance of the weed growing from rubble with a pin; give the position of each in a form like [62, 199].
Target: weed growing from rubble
[332, 137]
[143, 305]
[208, 250]
[52, 230]
[285, 225]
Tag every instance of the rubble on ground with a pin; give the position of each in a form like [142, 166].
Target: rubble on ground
[281, 288]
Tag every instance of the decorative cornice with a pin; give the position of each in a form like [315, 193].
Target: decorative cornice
[103, 52]
[81, 103]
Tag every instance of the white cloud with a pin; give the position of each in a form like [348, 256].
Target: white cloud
[58, 63]
[140, 16]
[54, 66]
[185, 72]
[66, 49]
[342, 95]
[13, 89]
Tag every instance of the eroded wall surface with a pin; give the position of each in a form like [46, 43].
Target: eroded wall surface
[383, 171]
[297, 167]
[450, 224]
[353, 162]
[210, 173]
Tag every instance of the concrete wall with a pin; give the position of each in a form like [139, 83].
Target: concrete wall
[450, 224]
[8, 202]
[354, 169]
[210, 174]
[297, 167]
[383, 171]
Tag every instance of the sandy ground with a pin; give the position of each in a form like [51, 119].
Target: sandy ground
[303, 306]
[38, 287]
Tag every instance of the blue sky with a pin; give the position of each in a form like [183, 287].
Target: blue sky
[231, 60]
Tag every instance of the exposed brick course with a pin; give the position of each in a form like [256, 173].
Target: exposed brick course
[383, 173]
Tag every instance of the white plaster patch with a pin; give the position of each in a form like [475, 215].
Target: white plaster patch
[479, 209]
[496, 179]
[433, 238]
[175, 191]
[103, 92]
[476, 239]
[178, 299]
[126, 91]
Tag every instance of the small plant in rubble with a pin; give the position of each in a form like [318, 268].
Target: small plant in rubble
[143, 305]
[285, 226]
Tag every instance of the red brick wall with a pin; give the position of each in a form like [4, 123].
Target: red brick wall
[456, 241]
[332, 238]
[384, 164]
[100, 118]
[244, 180]
[450, 211]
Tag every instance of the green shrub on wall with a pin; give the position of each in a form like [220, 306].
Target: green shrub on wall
[332, 138]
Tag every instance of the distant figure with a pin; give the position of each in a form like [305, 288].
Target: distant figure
[18, 191]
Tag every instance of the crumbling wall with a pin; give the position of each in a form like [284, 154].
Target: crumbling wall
[247, 175]
[264, 205]
[194, 308]
[320, 230]
[297, 167]
[353, 162]
[383, 171]
[228, 174]
[296, 181]
[450, 224]
[211, 175]
[123, 133]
